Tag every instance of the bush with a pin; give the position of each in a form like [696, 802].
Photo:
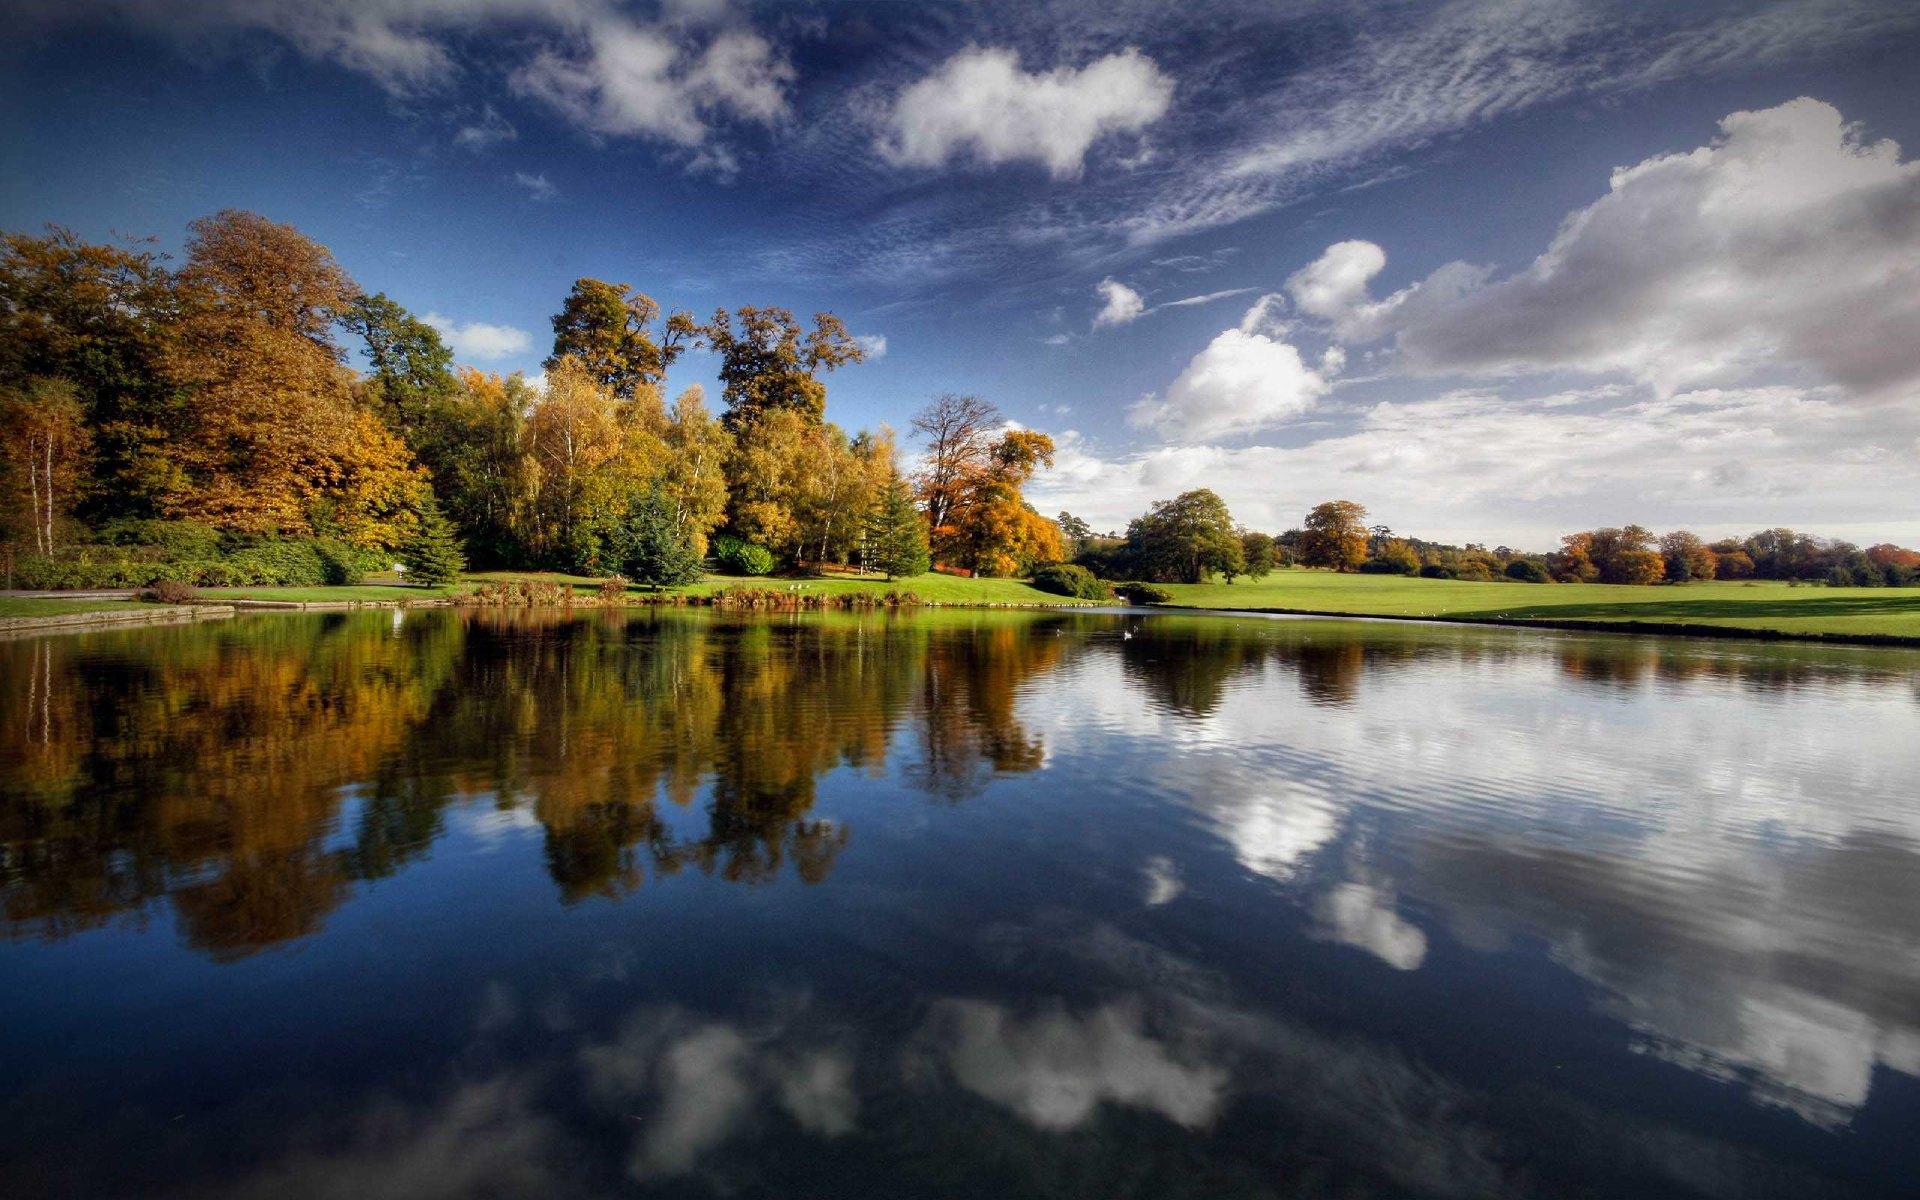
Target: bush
[1436, 571]
[613, 591]
[735, 557]
[279, 564]
[1065, 579]
[170, 591]
[1387, 566]
[346, 565]
[182, 541]
[1136, 592]
[1527, 570]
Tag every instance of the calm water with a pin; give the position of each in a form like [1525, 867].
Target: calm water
[964, 904]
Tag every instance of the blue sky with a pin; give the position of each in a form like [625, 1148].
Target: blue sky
[1496, 270]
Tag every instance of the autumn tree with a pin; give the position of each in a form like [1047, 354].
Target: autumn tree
[769, 362]
[1626, 555]
[1185, 539]
[958, 432]
[273, 441]
[482, 474]
[1335, 535]
[608, 328]
[46, 452]
[1573, 562]
[591, 455]
[895, 535]
[694, 479]
[1686, 557]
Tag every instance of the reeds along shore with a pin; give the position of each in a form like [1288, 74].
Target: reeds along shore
[532, 593]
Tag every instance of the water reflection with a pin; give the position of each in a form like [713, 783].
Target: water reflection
[955, 904]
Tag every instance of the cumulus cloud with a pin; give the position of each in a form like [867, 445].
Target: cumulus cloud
[1246, 379]
[479, 340]
[1363, 917]
[1123, 304]
[875, 344]
[1789, 241]
[980, 103]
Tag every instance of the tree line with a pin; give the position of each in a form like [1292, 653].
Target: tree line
[204, 417]
[1193, 537]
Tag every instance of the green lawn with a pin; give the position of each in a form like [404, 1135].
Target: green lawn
[940, 588]
[384, 593]
[1778, 607]
[37, 607]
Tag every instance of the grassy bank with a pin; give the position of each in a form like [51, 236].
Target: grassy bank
[14, 606]
[1776, 608]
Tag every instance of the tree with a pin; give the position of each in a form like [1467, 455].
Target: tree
[47, 451]
[652, 546]
[432, 555]
[412, 369]
[1573, 562]
[896, 537]
[695, 478]
[958, 432]
[592, 454]
[1394, 556]
[1185, 539]
[103, 318]
[1686, 557]
[769, 363]
[989, 527]
[608, 329]
[1076, 531]
[270, 438]
[1626, 555]
[1335, 535]
[1257, 550]
[482, 475]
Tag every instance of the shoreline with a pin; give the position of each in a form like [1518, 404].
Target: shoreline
[1626, 626]
[187, 613]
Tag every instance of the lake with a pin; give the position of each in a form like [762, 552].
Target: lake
[957, 904]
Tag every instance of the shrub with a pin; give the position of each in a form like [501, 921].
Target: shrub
[176, 540]
[1137, 592]
[1436, 571]
[1065, 579]
[1473, 572]
[613, 591]
[1387, 566]
[170, 591]
[1527, 570]
[735, 557]
[341, 564]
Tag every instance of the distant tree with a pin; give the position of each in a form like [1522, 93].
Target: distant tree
[768, 362]
[1528, 570]
[652, 546]
[1257, 551]
[608, 329]
[971, 489]
[896, 536]
[1731, 561]
[1573, 562]
[432, 555]
[1185, 539]
[1076, 532]
[412, 369]
[1686, 558]
[1335, 535]
[47, 451]
[698, 447]
[1394, 556]
[1626, 555]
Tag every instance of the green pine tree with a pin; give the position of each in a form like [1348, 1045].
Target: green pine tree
[653, 548]
[896, 536]
[432, 557]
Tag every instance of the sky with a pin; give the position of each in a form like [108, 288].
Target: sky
[1496, 270]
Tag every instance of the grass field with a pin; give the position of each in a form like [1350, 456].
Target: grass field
[937, 588]
[1771, 607]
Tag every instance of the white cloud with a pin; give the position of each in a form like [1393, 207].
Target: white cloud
[607, 71]
[479, 340]
[1123, 304]
[1477, 466]
[980, 103]
[875, 344]
[1361, 916]
[489, 130]
[1246, 379]
[1055, 1069]
[1790, 241]
[626, 79]
[539, 187]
